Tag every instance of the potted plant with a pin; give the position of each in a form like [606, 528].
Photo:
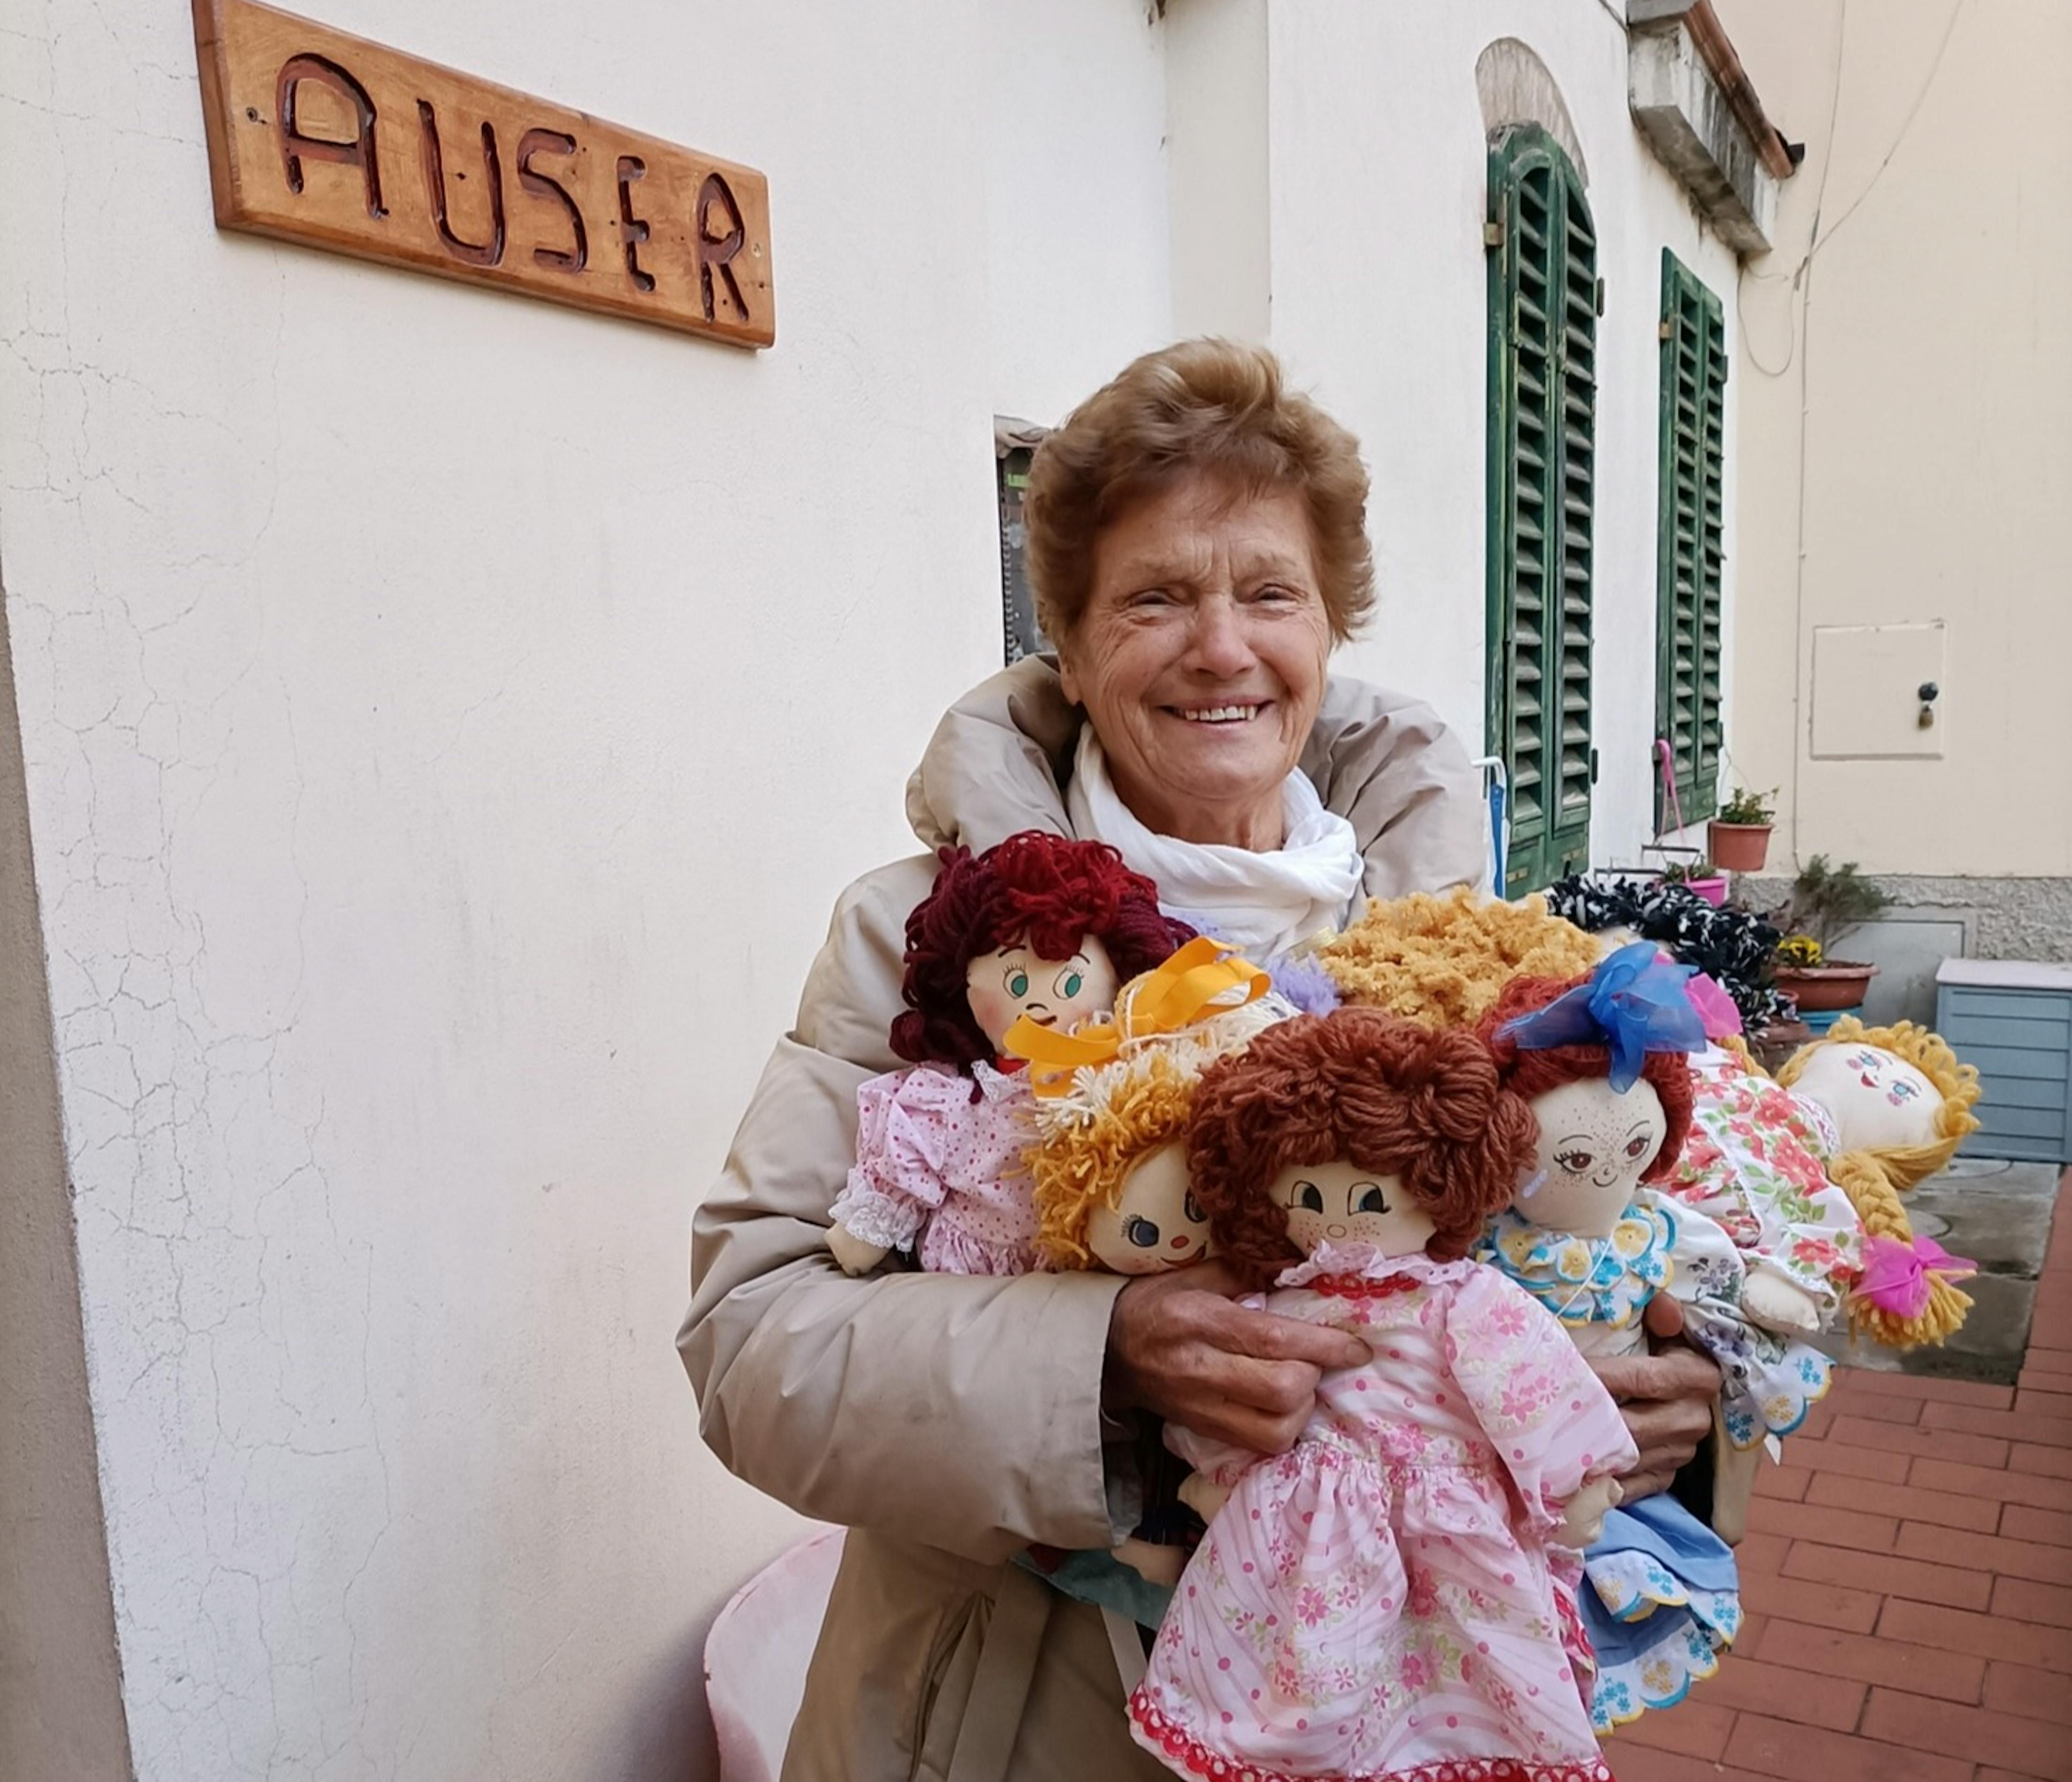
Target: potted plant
[1739, 836]
[1827, 902]
[1700, 878]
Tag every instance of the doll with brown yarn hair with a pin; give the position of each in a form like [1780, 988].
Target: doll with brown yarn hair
[1037, 928]
[1380, 1601]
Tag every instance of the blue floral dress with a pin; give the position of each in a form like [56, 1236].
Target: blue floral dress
[1659, 1595]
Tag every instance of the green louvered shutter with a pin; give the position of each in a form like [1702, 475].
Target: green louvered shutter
[1542, 488]
[1689, 550]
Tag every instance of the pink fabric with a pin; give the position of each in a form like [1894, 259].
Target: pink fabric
[1379, 1602]
[934, 1165]
[1715, 1007]
[1896, 1275]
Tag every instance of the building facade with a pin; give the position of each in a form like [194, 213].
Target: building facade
[445, 720]
[1902, 465]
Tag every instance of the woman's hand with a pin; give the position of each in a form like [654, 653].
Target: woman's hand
[1665, 1397]
[1178, 1346]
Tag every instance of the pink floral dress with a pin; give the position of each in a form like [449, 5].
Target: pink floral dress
[938, 1162]
[1378, 1601]
[1755, 1161]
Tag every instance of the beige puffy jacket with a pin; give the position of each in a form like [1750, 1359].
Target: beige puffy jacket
[950, 1420]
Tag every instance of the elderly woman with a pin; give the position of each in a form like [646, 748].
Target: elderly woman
[1196, 541]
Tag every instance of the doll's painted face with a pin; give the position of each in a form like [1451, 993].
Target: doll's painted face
[1154, 1225]
[1340, 1203]
[1010, 982]
[1594, 1145]
[1880, 1102]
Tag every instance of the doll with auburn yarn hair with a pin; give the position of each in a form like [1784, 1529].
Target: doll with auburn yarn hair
[1037, 928]
[1379, 1602]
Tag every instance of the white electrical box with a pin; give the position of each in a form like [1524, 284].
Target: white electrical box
[1878, 692]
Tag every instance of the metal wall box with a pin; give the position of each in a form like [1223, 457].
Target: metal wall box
[2013, 1019]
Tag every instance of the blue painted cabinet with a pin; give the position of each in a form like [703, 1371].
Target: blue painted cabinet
[2013, 1020]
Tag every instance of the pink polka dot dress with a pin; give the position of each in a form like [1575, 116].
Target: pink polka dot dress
[937, 1168]
[1378, 1601]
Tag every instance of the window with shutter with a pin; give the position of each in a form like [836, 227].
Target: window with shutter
[1689, 549]
[1543, 328]
[1020, 634]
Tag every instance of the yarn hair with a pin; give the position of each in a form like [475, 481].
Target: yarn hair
[1874, 1179]
[1388, 1095]
[1082, 1165]
[1444, 960]
[1533, 1074]
[1033, 889]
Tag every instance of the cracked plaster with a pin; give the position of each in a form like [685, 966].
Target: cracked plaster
[362, 630]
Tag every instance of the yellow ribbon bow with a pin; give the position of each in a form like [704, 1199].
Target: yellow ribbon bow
[1204, 978]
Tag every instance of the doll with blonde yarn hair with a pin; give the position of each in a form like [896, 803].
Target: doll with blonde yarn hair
[1899, 1104]
[1108, 1174]
[1109, 1188]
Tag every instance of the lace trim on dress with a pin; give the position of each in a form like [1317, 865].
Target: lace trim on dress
[1364, 1262]
[872, 1219]
[1183, 1751]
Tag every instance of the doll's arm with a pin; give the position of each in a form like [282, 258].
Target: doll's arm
[1583, 1517]
[1776, 1303]
[1223, 1462]
[962, 1412]
[1550, 1421]
[903, 1119]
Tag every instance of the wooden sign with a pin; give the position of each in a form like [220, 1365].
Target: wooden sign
[317, 136]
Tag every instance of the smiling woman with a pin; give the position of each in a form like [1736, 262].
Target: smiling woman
[1197, 546]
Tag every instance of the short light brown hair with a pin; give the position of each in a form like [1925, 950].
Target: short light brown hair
[1199, 406]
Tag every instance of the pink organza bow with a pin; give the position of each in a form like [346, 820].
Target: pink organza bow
[1897, 1276]
[1715, 1007]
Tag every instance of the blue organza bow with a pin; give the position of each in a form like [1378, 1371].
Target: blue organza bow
[1635, 1003]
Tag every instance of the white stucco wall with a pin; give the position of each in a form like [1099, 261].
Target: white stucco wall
[1907, 456]
[448, 721]
[1379, 184]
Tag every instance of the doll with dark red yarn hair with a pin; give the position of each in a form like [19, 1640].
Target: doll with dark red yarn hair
[1036, 927]
[1037, 897]
[1380, 1601]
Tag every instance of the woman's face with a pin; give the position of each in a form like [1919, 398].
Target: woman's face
[1200, 657]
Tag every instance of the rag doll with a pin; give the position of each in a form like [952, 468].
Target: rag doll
[1109, 1174]
[1756, 1163]
[1603, 1064]
[1898, 1104]
[1379, 1601]
[1037, 929]
[1109, 1183]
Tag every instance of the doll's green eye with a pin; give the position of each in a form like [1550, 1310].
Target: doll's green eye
[1193, 1209]
[1017, 984]
[1370, 1200]
[1070, 984]
[1309, 1197]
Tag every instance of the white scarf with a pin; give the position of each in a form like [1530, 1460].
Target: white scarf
[1261, 903]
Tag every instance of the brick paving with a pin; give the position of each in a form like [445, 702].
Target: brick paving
[1907, 1578]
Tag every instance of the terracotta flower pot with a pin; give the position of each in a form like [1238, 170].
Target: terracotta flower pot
[1820, 988]
[1737, 847]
